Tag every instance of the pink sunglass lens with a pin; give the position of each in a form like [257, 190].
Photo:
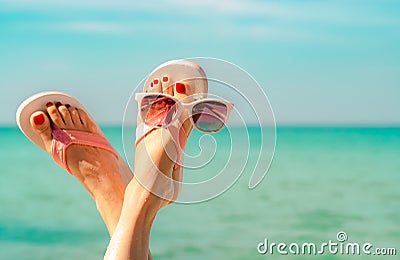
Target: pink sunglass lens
[209, 116]
[158, 110]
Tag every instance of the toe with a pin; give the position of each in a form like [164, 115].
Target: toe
[165, 84]
[87, 122]
[180, 89]
[40, 123]
[181, 92]
[66, 116]
[76, 119]
[56, 118]
[155, 86]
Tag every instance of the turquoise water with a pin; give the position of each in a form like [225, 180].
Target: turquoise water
[322, 181]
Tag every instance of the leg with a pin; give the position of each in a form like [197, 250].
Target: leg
[131, 238]
[102, 174]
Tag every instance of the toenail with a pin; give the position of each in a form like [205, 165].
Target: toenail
[49, 104]
[38, 119]
[180, 88]
[58, 104]
[156, 81]
[67, 105]
[165, 79]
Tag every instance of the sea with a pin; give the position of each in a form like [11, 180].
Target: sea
[326, 186]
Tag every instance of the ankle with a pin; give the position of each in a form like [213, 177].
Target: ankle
[139, 198]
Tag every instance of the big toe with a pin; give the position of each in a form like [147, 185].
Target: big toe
[182, 90]
[40, 123]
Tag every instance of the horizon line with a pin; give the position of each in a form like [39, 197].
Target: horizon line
[281, 125]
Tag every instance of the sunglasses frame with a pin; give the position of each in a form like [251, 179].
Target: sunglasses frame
[189, 106]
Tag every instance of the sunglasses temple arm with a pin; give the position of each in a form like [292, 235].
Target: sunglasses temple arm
[221, 116]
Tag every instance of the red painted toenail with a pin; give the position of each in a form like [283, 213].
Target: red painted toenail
[180, 88]
[67, 105]
[58, 104]
[156, 81]
[38, 119]
[49, 104]
[165, 79]
[151, 84]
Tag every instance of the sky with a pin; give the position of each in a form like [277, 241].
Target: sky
[319, 62]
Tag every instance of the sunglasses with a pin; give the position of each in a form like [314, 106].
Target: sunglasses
[208, 115]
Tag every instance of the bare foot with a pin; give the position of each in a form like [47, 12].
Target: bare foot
[104, 175]
[157, 175]
[157, 161]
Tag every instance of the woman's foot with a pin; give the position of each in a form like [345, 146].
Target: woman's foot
[157, 162]
[104, 175]
[158, 174]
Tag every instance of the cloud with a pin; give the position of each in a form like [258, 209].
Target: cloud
[87, 27]
[233, 7]
[304, 11]
[325, 22]
[75, 4]
[236, 7]
[93, 27]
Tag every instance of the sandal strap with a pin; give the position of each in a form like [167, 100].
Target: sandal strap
[62, 139]
[175, 130]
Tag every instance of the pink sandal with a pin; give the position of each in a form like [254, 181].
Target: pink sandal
[62, 139]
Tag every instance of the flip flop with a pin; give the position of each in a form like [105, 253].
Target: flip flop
[62, 139]
[175, 70]
[179, 70]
